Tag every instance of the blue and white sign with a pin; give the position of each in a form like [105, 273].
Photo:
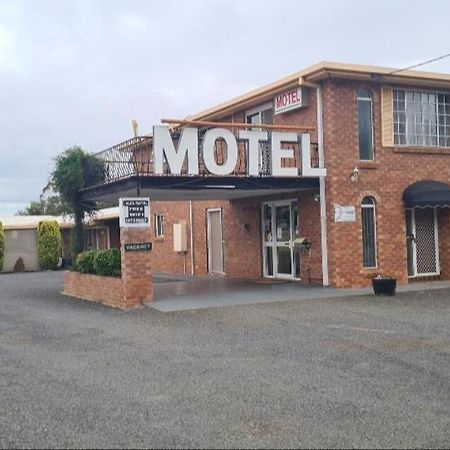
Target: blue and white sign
[344, 213]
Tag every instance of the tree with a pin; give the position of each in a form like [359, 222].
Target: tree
[49, 244]
[74, 170]
[51, 206]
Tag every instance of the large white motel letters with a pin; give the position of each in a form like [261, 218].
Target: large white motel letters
[187, 147]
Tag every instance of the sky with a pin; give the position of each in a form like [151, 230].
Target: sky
[76, 72]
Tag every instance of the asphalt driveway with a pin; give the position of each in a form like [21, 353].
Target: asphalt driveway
[341, 372]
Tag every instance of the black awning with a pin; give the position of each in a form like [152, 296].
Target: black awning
[427, 194]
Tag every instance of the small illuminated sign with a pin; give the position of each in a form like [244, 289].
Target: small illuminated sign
[134, 212]
[290, 100]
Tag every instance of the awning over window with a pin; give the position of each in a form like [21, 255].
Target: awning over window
[427, 194]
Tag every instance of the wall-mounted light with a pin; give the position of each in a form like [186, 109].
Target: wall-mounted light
[355, 175]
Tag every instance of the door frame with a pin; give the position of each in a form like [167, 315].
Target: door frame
[436, 244]
[273, 244]
[208, 239]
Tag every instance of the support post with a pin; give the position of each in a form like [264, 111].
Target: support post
[136, 268]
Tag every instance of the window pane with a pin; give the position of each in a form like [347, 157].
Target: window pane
[365, 129]
[368, 233]
[423, 115]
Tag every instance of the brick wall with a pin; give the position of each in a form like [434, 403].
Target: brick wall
[385, 179]
[131, 290]
[393, 170]
[105, 290]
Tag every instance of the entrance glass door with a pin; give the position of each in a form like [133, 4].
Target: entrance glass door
[280, 220]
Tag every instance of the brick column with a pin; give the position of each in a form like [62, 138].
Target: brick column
[136, 268]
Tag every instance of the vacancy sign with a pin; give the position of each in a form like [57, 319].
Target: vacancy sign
[134, 212]
[287, 101]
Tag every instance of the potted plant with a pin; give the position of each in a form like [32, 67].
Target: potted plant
[384, 285]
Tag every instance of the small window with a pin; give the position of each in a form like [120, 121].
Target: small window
[257, 116]
[159, 225]
[369, 237]
[365, 121]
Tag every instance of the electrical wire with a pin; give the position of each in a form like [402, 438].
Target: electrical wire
[420, 64]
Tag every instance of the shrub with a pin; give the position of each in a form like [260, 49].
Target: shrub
[84, 263]
[107, 262]
[19, 266]
[2, 245]
[99, 262]
[49, 244]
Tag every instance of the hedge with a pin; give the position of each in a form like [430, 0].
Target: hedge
[2, 245]
[107, 262]
[99, 262]
[49, 244]
[84, 263]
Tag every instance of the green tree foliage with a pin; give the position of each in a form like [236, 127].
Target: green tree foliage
[52, 206]
[2, 245]
[49, 244]
[74, 170]
[99, 262]
[107, 262]
[84, 262]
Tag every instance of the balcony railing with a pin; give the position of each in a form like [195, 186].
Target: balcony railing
[134, 157]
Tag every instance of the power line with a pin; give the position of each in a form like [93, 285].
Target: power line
[420, 64]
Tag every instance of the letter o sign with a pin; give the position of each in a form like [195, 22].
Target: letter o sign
[209, 142]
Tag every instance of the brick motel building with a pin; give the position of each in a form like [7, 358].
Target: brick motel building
[372, 199]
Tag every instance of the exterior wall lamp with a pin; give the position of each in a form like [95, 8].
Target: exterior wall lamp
[355, 175]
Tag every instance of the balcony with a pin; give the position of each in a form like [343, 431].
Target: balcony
[128, 170]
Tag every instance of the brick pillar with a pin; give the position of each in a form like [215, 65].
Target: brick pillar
[136, 268]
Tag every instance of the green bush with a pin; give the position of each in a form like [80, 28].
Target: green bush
[99, 262]
[84, 262]
[107, 262]
[49, 244]
[2, 245]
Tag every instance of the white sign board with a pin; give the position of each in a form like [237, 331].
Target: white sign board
[287, 101]
[344, 213]
[134, 212]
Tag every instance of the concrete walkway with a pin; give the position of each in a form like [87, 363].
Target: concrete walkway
[180, 293]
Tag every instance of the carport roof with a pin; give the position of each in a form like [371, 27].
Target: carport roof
[182, 188]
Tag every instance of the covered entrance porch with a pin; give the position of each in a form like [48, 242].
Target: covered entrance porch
[427, 217]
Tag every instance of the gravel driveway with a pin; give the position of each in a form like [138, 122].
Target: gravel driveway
[343, 372]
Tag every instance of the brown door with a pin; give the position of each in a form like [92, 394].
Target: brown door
[215, 241]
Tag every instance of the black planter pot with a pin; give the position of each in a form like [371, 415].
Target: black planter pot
[384, 286]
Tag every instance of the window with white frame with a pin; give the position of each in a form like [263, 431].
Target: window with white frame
[421, 118]
[365, 122]
[257, 116]
[159, 225]
[369, 238]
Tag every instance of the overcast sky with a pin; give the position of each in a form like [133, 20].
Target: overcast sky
[77, 72]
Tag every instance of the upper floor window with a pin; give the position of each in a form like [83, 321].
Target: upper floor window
[421, 118]
[365, 120]
[159, 225]
[257, 116]
[369, 239]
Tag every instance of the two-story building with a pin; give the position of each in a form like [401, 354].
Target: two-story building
[380, 205]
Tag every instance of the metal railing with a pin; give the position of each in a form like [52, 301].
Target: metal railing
[134, 157]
